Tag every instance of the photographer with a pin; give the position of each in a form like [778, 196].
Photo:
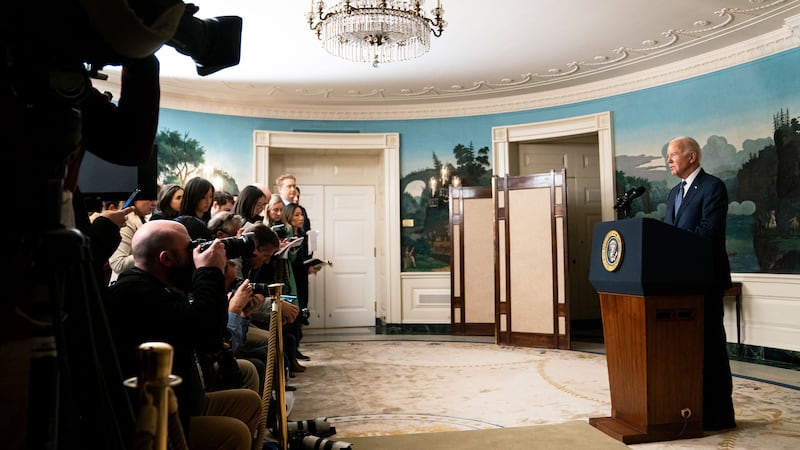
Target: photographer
[149, 303]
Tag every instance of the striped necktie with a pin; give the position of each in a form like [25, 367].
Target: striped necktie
[679, 198]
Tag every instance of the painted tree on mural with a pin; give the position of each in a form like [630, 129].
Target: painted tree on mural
[181, 158]
[178, 156]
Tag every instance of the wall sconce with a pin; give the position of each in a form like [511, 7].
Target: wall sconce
[440, 193]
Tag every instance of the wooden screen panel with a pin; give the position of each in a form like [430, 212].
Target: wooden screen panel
[531, 261]
[471, 275]
[531, 271]
[478, 256]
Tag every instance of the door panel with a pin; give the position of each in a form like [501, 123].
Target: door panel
[349, 293]
[313, 200]
[581, 161]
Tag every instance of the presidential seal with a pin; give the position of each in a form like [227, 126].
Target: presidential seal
[612, 250]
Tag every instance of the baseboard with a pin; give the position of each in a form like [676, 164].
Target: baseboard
[776, 357]
[382, 327]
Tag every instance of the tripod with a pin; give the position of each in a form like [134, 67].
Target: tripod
[75, 382]
[66, 378]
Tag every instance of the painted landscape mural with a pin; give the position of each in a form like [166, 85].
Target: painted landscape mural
[424, 208]
[763, 181]
[746, 118]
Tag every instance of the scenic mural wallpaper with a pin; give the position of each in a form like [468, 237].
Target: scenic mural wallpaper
[745, 117]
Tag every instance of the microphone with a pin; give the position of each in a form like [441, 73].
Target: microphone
[628, 197]
[634, 193]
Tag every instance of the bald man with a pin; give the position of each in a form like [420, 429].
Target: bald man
[150, 302]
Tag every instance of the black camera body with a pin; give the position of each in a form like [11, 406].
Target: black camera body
[235, 246]
[258, 288]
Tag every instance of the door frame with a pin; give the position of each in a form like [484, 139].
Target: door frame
[504, 137]
[387, 195]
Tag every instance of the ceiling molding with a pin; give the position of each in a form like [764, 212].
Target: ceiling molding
[756, 48]
[527, 93]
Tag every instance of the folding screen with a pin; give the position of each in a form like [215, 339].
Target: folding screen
[531, 307]
[509, 260]
[472, 261]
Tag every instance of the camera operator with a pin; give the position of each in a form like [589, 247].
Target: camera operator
[150, 303]
[51, 114]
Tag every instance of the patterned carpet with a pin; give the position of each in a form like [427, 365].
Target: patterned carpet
[389, 388]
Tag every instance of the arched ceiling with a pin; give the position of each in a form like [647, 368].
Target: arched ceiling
[489, 50]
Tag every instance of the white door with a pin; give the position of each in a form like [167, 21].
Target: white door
[342, 294]
[313, 200]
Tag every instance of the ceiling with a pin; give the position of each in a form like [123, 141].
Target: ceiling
[489, 49]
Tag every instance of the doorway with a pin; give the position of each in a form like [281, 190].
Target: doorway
[334, 170]
[579, 156]
[583, 145]
[342, 294]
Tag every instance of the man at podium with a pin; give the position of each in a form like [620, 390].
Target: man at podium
[699, 204]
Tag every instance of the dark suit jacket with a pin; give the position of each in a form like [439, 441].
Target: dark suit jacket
[704, 212]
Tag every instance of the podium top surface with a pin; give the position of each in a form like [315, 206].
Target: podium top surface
[644, 256]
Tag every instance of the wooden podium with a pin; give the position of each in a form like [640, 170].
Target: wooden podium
[651, 278]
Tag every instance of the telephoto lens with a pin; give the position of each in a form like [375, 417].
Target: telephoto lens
[235, 246]
[313, 442]
[316, 427]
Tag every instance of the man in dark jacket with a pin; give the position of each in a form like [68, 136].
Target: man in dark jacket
[699, 204]
[149, 302]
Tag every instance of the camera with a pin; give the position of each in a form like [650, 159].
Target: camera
[214, 44]
[235, 246]
[258, 288]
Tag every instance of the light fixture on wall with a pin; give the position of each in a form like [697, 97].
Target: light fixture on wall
[440, 193]
[376, 31]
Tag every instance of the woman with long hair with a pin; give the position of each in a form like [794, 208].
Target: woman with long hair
[250, 204]
[293, 218]
[169, 202]
[194, 212]
[197, 195]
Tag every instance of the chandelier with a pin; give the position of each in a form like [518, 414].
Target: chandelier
[376, 31]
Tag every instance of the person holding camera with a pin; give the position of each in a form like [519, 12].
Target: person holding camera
[258, 269]
[150, 302]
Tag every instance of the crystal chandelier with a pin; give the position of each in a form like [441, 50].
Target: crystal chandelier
[376, 31]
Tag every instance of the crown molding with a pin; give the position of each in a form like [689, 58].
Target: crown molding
[787, 37]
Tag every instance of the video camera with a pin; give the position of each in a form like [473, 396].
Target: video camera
[235, 246]
[214, 44]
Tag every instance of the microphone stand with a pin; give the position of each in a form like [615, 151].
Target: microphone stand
[623, 208]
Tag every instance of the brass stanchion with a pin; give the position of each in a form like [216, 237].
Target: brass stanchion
[275, 378]
[155, 383]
